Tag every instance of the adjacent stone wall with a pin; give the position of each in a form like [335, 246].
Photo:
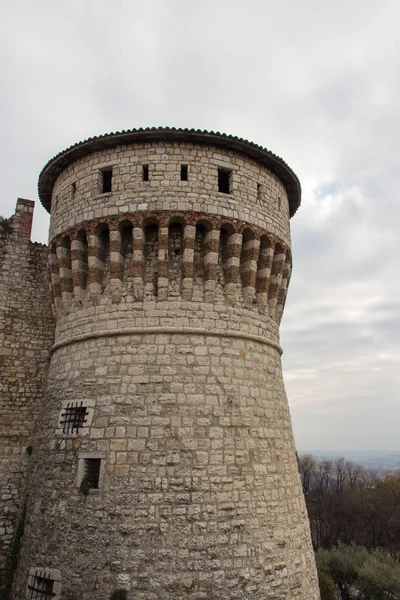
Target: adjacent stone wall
[26, 335]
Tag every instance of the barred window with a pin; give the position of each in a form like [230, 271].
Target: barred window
[73, 417]
[43, 584]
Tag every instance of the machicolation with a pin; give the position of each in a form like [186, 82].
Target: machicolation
[141, 368]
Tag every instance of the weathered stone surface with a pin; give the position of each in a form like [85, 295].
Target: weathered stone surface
[168, 296]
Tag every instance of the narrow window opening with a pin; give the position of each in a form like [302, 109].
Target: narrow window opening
[145, 172]
[91, 473]
[259, 191]
[73, 190]
[73, 417]
[184, 172]
[224, 181]
[107, 181]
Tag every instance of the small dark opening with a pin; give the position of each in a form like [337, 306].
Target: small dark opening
[92, 471]
[184, 172]
[259, 190]
[145, 172]
[223, 181]
[107, 181]
[73, 190]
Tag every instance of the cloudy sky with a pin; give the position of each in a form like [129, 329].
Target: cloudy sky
[317, 83]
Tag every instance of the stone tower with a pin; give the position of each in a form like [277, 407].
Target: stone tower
[164, 464]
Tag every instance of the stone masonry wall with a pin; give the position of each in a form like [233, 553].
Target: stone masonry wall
[257, 196]
[26, 335]
[168, 296]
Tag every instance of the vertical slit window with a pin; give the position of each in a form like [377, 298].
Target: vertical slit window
[184, 172]
[145, 172]
[224, 181]
[92, 471]
[107, 180]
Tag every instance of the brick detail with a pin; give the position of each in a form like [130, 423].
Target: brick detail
[264, 266]
[138, 262]
[189, 235]
[23, 218]
[116, 265]
[163, 262]
[79, 263]
[211, 248]
[239, 257]
[284, 287]
[278, 264]
[248, 267]
[232, 266]
[65, 270]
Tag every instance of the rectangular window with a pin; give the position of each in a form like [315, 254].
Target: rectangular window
[107, 181]
[224, 181]
[90, 471]
[73, 417]
[145, 171]
[184, 172]
[73, 190]
[91, 475]
[44, 584]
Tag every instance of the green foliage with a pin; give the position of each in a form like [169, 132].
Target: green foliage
[86, 485]
[326, 586]
[361, 574]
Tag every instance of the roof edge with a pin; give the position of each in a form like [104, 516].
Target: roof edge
[267, 158]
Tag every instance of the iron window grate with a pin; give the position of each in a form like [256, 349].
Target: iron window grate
[42, 587]
[73, 417]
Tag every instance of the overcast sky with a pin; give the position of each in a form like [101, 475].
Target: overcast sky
[316, 82]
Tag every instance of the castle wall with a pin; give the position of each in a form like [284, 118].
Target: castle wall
[26, 335]
[168, 296]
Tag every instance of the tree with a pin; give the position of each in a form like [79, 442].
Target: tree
[361, 574]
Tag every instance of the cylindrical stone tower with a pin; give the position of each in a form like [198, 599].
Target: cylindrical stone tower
[164, 466]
